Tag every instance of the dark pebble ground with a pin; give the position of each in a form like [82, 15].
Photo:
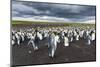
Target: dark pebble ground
[78, 51]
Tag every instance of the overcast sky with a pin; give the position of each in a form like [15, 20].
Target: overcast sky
[33, 11]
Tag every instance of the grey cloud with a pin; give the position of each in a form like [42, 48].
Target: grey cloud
[72, 12]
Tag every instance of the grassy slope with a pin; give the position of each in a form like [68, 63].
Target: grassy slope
[14, 22]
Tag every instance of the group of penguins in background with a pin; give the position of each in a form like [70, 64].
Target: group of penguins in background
[53, 36]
